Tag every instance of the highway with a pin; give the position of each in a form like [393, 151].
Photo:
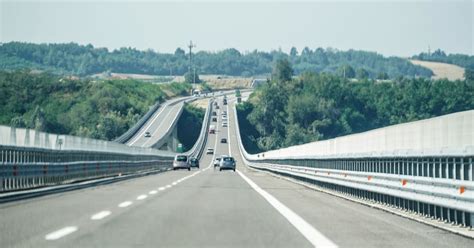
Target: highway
[157, 125]
[208, 208]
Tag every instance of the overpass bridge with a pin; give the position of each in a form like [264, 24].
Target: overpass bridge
[409, 185]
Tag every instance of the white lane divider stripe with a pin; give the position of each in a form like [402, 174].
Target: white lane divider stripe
[100, 215]
[168, 186]
[141, 197]
[161, 188]
[125, 204]
[152, 192]
[61, 233]
[309, 232]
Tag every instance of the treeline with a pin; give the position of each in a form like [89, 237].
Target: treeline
[438, 55]
[286, 112]
[86, 60]
[88, 108]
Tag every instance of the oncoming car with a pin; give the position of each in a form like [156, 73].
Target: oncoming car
[227, 163]
[210, 151]
[147, 134]
[181, 162]
[223, 140]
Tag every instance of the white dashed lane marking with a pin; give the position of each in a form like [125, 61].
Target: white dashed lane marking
[100, 215]
[125, 204]
[142, 197]
[61, 233]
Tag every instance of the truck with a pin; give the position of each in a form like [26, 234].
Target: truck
[212, 129]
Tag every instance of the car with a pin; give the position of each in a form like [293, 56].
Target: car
[225, 102]
[194, 162]
[212, 129]
[223, 140]
[181, 162]
[224, 117]
[210, 151]
[214, 119]
[227, 163]
[214, 113]
[224, 124]
[217, 162]
[217, 106]
[224, 112]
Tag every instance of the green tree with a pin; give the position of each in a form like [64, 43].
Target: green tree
[282, 71]
[293, 52]
[362, 73]
[346, 71]
[469, 74]
[192, 78]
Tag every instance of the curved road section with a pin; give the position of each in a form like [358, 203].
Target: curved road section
[160, 124]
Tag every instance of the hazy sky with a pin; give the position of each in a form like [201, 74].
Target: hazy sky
[398, 27]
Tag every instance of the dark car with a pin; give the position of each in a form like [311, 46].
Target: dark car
[214, 113]
[223, 140]
[214, 119]
[194, 162]
[227, 163]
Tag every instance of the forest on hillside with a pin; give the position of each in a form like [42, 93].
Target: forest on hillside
[85, 60]
[102, 109]
[287, 111]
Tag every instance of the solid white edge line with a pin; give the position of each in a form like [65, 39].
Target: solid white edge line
[100, 215]
[125, 204]
[309, 232]
[61, 233]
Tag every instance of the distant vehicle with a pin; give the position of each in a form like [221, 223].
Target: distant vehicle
[224, 124]
[224, 118]
[224, 112]
[194, 162]
[181, 162]
[223, 140]
[212, 129]
[214, 119]
[210, 151]
[225, 101]
[214, 113]
[147, 134]
[227, 163]
[239, 99]
[196, 93]
[217, 162]
[217, 106]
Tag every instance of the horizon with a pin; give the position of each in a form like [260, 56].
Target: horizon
[263, 26]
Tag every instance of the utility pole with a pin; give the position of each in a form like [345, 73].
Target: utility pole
[191, 46]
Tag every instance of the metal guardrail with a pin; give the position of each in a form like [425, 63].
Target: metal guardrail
[439, 187]
[29, 158]
[198, 148]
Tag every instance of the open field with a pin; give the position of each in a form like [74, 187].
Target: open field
[218, 82]
[442, 70]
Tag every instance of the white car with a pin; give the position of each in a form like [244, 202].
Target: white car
[217, 162]
[210, 151]
[224, 124]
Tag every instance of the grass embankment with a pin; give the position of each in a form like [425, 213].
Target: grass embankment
[189, 125]
[102, 109]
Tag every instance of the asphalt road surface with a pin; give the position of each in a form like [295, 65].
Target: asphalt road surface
[209, 208]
